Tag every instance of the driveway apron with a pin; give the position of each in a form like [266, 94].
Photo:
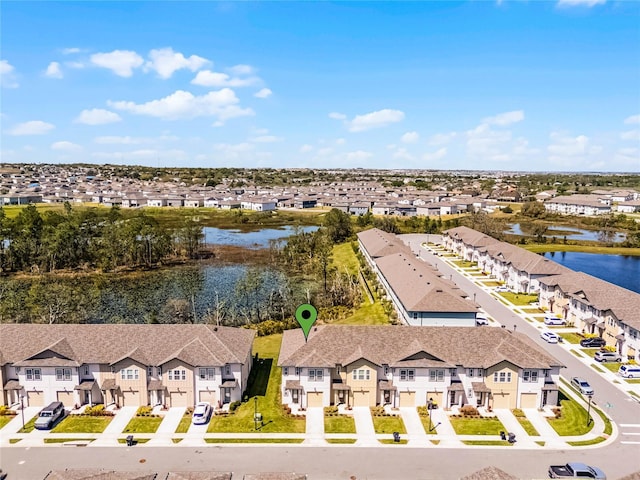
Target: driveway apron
[364, 426]
[315, 426]
[415, 431]
[167, 428]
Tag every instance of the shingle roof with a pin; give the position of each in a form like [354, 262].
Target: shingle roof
[199, 476]
[472, 347]
[97, 474]
[379, 243]
[150, 344]
[489, 473]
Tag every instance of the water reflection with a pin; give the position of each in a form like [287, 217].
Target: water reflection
[256, 239]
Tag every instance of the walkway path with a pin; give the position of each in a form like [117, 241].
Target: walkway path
[315, 426]
[512, 425]
[115, 428]
[167, 428]
[445, 430]
[415, 431]
[364, 426]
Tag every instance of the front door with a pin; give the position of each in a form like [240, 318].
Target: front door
[452, 398]
[295, 396]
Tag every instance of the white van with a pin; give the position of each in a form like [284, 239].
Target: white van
[629, 371]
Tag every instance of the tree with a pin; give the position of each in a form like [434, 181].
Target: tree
[533, 209]
[338, 225]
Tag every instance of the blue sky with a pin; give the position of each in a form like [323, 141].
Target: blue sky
[445, 85]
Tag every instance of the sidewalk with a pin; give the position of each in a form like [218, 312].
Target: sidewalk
[364, 427]
[16, 424]
[110, 435]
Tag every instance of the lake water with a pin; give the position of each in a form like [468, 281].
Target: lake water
[578, 233]
[621, 270]
[253, 239]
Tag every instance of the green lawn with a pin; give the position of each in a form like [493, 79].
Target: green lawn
[464, 263]
[62, 440]
[593, 441]
[4, 419]
[571, 337]
[390, 441]
[572, 421]
[528, 427]
[490, 283]
[503, 443]
[345, 257]
[185, 423]
[367, 314]
[532, 310]
[81, 424]
[265, 385]
[143, 425]
[521, 299]
[339, 424]
[341, 440]
[254, 440]
[613, 366]
[29, 426]
[555, 247]
[477, 426]
[136, 440]
[388, 424]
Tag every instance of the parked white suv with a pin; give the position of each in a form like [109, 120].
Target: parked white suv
[604, 356]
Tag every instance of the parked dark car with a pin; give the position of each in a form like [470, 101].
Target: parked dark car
[593, 342]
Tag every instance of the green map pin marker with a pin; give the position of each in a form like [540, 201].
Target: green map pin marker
[306, 315]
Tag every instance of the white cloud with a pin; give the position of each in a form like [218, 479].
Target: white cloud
[97, 116]
[207, 78]
[143, 154]
[65, 146]
[582, 3]
[305, 148]
[116, 140]
[410, 137]
[241, 70]
[504, 119]
[76, 65]
[566, 150]
[235, 151]
[34, 127]
[323, 152]
[337, 116]
[266, 139]
[340, 141]
[487, 144]
[441, 138]
[181, 104]
[165, 62]
[402, 154]
[120, 62]
[69, 51]
[630, 135]
[263, 93]
[7, 75]
[358, 155]
[53, 70]
[437, 155]
[633, 119]
[380, 118]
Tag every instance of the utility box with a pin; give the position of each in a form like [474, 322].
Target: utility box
[257, 417]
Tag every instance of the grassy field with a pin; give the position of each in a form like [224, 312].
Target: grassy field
[78, 424]
[389, 424]
[4, 419]
[143, 425]
[572, 421]
[63, 440]
[185, 423]
[339, 424]
[265, 386]
[520, 299]
[526, 424]
[254, 440]
[29, 426]
[477, 426]
[581, 443]
[341, 440]
[571, 337]
[555, 247]
[344, 257]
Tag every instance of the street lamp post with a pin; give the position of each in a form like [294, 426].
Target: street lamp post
[22, 409]
[589, 419]
[255, 413]
[430, 407]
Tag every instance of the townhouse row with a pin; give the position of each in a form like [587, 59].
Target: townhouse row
[590, 304]
[401, 366]
[127, 365]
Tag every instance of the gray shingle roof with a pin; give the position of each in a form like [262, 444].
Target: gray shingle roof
[149, 344]
[379, 243]
[330, 345]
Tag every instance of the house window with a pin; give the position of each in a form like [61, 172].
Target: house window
[361, 374]
[338, 369]
[502, 377]
[386, 370]
[63, 374]
[408, 375]
[530, 376]
[436, 375]
[227, 369]
[33, 374]
[86, 370]
[298, 371]
[316, 375]
[286, 370]
[150, 371]
[177, 374]
[159, 371]
[207, 374]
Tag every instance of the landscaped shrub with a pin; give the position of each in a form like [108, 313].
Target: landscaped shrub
[144, 411]
[609, 348]
[4, 410]
[518, 413]
[96, 411]
[557, 412]
[469, 411]
[330, 411]
[234, 405]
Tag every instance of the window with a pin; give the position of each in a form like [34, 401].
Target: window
[408, 375]
[502, 377]
[159, 371]
[386, 370]
[227, 369]
[33, 374]
[150, 371]
[361, 374]
[530, 376]
[436, 375]
[63, 374]
[316, 375]
[177, 374]
[207, 374]
[338, 369]
[86, 370]
[298, 371]
[286, 370]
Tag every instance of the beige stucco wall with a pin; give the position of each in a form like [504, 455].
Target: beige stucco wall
[139, 385]
[183, 385]
[366, 385]
[510, 388]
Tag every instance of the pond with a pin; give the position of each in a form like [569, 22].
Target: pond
[621, 270]
[578, 233]
[253, 239]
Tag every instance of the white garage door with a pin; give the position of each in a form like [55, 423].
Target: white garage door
[178, 399]
[130, 399]
[207, 396]
[35, 399]
[407, 399]
[501, 400]
[66, 398]
[528, 400]
[361, 399]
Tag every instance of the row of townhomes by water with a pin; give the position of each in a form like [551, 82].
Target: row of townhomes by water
[419, 292]
[590, 304]
[172, 365]
[405, 366]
